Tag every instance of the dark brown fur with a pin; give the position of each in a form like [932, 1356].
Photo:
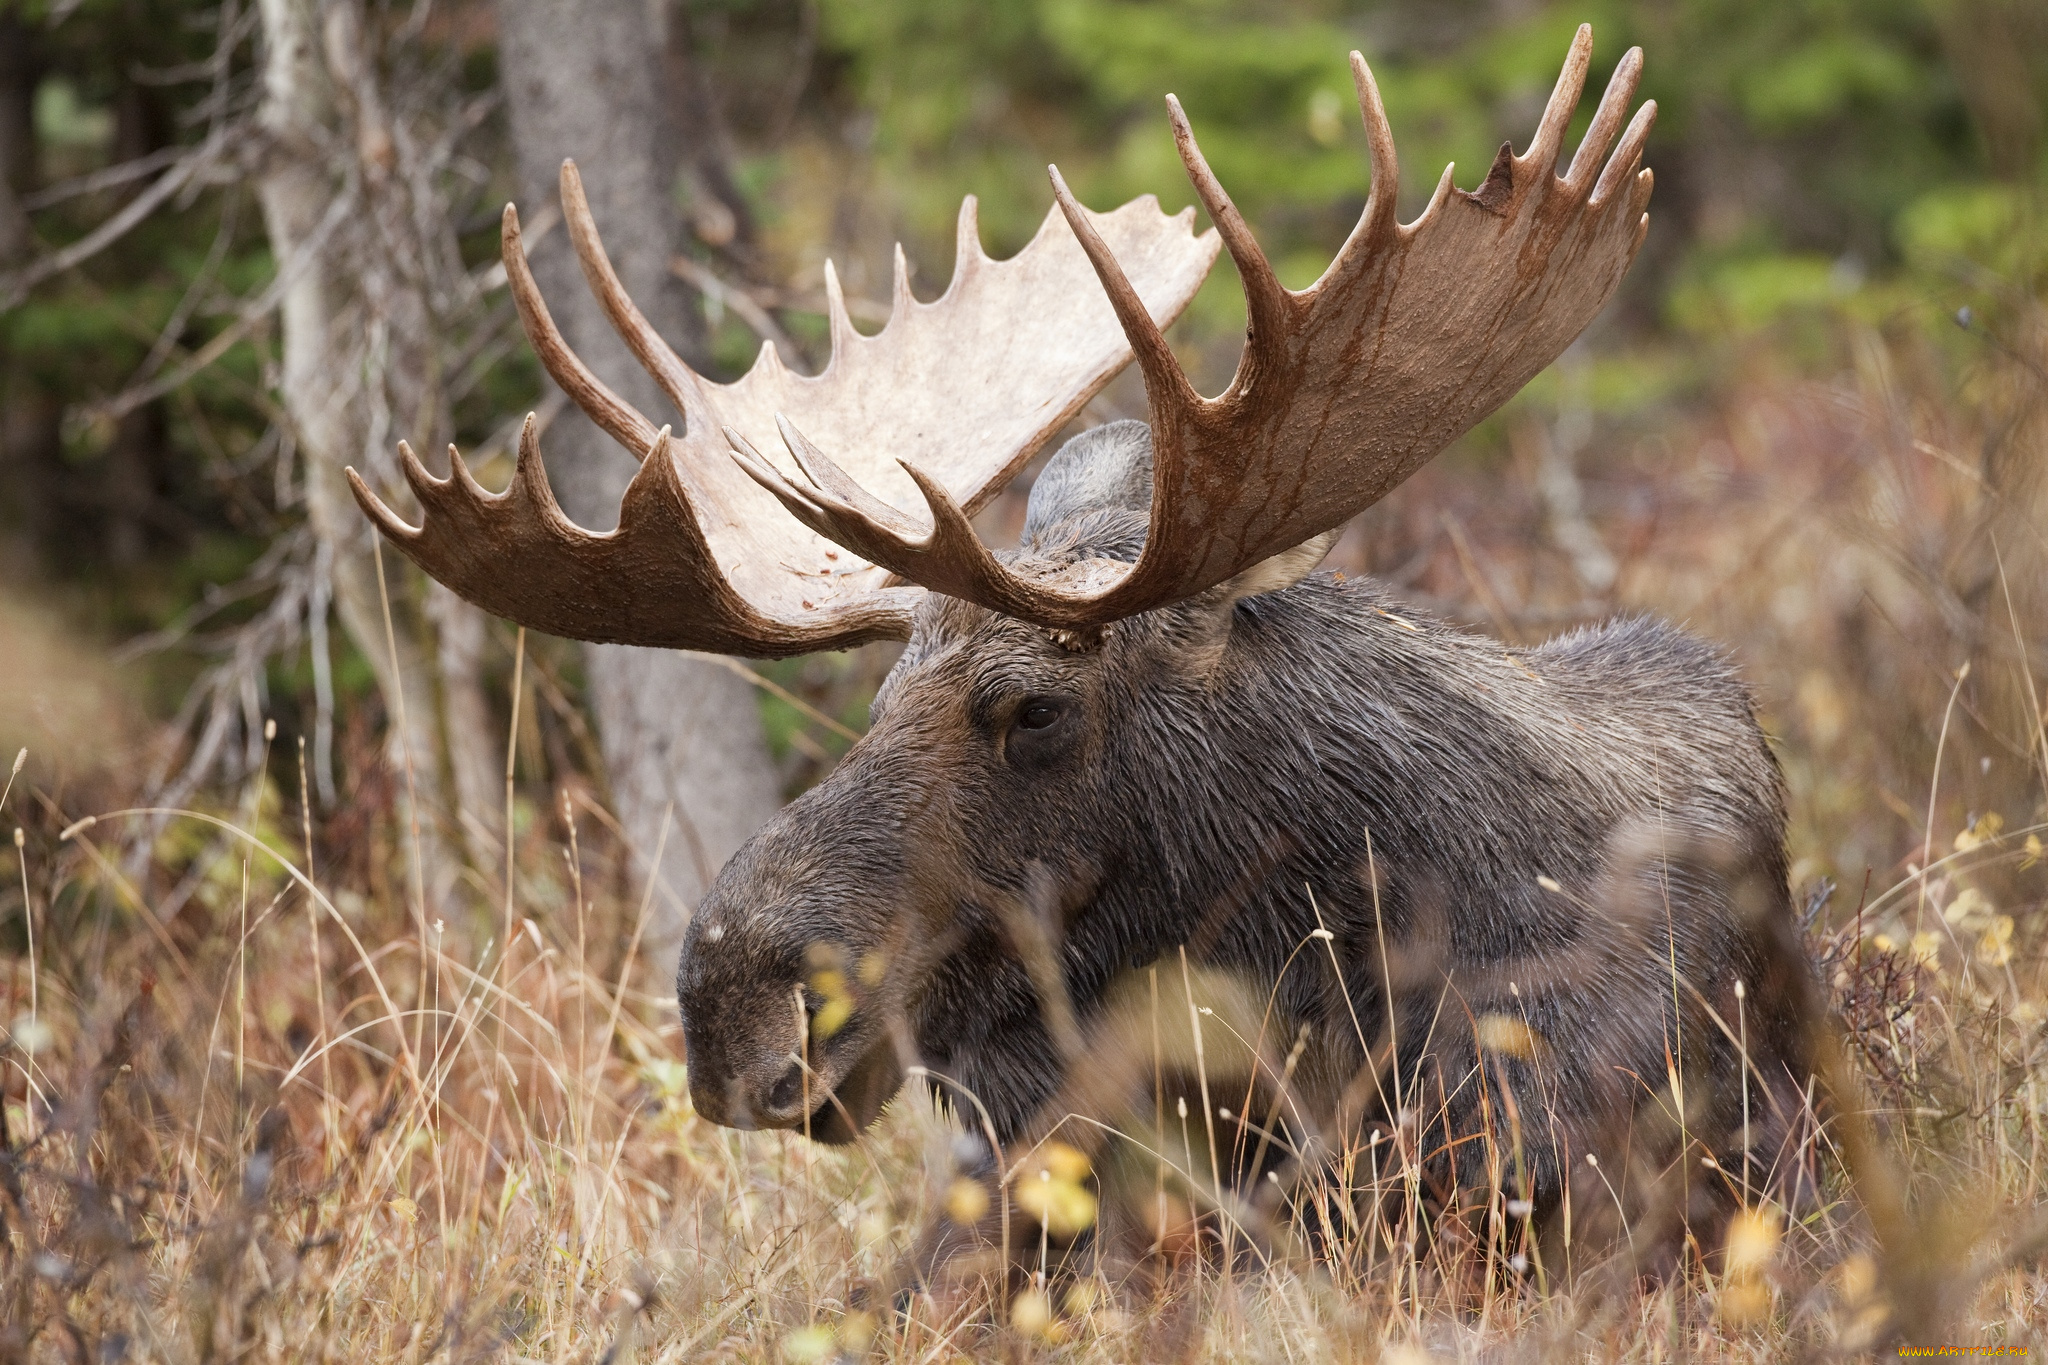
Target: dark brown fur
[1585, 837]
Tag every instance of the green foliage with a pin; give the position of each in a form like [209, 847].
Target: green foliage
[1816, 81]
[1804, 145]
[1991, 227]
[1817, 160]
[1748, 292]
[62, 121]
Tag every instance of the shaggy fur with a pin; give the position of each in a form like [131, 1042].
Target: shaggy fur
[1585, 838]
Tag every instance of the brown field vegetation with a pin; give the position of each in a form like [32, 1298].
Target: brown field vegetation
[265, 1100]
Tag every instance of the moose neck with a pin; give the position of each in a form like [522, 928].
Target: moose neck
[1330, 742]
[1336, 742]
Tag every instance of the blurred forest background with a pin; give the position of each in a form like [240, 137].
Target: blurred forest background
[1836, 317]
[245, 244]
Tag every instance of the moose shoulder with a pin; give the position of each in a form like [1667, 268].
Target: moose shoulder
[1585, 838]
[1522, 902]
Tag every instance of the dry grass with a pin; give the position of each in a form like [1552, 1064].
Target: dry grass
[261, 1103]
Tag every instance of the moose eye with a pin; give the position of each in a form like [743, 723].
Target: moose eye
[1038, 715]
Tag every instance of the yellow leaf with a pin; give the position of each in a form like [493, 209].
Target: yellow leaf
[405, 1209]
[1994, 949]
[838, 1006]
[1753, 1237]
[1745, 1301]
[1988, 827]
[1031, 1312]
[809, 1343]
[1862, 1331]
[665, 1076]
[1082, 1298]
[1927, 949]
[966, 1201]
[1063, 1207]
[1506, 1034]
[1969, 906]
[1858, 1278]
[857, 1329]
[1063, 1162]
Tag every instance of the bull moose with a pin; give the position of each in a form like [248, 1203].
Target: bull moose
[1155, 725]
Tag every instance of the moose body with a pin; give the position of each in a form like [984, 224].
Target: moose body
[1549, 884]
[1586, 837]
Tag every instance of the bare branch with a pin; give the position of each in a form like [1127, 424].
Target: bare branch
[701, 278]
[252, 313]
[104, 179]
[16, 288]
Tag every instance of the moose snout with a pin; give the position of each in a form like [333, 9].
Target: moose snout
[765, 1088]
[783, 987]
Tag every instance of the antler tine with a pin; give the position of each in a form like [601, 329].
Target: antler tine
[400, 531]
[875, 538]
[953, 551]
[1564, 101]
[807, 507]
[654, 354]
[1265, 297]
[948, 558]
[823, 471]
[839, 325]
[460, 471]
[900, 297]
[620, 420]
[967, 252]
[395, 528]
[1379, 144]
[530, 475]
[1622, 163]
[1621, 88]
[1166, 384]
[417, 476]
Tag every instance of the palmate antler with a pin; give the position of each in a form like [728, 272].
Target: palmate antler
[1412, 335]
[967, 387]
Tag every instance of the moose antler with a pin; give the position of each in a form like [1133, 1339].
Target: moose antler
[968, 386]
[1345, 388]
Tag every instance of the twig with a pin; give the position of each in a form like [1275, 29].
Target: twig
[104, 179]
[251, 313]
[16, 287]
[1503, 619]
[700, 278]
[777, 690]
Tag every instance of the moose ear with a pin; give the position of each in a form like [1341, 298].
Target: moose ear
[1205, 623]
[1279, 571]
[1107, 468]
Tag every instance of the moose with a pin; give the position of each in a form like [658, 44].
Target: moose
[1156, 727]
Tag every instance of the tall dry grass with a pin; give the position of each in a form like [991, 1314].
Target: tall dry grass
[263, 1101]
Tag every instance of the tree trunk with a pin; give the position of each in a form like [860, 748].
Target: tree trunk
[678, 732]
[31, 441]
[19, 74]
[360, 345]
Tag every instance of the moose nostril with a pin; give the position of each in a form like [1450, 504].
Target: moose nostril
[788, 1089]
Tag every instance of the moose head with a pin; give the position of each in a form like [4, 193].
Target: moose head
[870, 926]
